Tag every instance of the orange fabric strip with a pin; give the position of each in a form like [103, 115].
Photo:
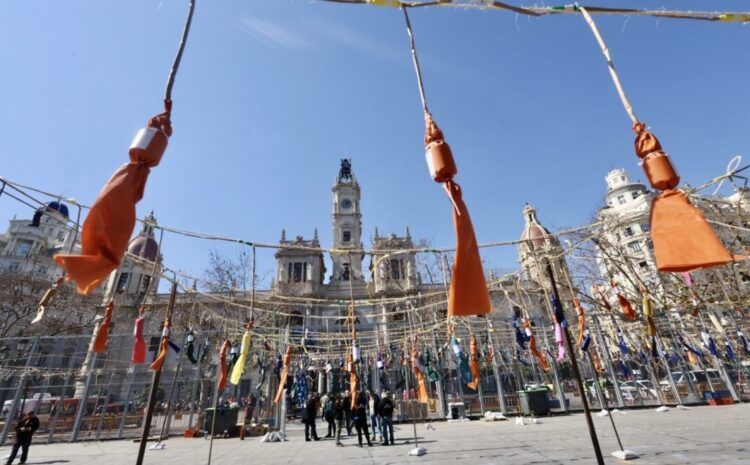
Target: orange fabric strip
[468, 291]
[100, 341]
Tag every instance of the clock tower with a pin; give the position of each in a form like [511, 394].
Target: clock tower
[347, 226]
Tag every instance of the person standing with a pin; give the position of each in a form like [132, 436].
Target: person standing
[360, 418]
[338, 414]
[25, 429]
[311, 411]
[348, 412]
[329, 416]
[372, 410]
[385, 408]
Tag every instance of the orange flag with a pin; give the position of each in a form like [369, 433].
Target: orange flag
[224, 367]
[474, 363]
[627, 309]
[648, 313]
[581, 322]
[468, 291]
[284, 374]
[353, 383]
[139, 346]
[534, 349]
[109, 224]
[100, 341]
[164, 347]
[423, 397]
[683, 239]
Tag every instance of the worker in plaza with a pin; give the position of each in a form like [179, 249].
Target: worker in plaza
[338, 415]
[329, 415]
[311, 411]
[372, 409]
[25, 429]
[385, 409]
[347, 401]
[360, 418]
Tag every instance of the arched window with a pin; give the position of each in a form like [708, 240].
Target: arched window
[295, 319]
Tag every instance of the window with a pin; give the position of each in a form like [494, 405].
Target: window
[636, 194]
[650, 245]
[145, 280]
[643, 265]
[629, 232]
[297, 272]
[345, 274]
[23, 248]
[122, 282]
[60, 236]
[347, 236]
[396, 268]
[289, 274]
[634, 247]
[645, 227]
[621, 199]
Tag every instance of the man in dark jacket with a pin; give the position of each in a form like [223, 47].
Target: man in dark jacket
[338, 414]
[348, 412]
[311, 411]
[385, 410]
[24, 431]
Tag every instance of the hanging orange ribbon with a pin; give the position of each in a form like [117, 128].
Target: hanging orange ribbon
[139, 346]
[627, 309]
[533, 348]
[353, 382]
[423, 397]
[284, 374]
[100, 340]
[682, 238]
[581, 322]
[468, 290]
[164, 347]
[474, 363]
[108, 226]
[223, 365]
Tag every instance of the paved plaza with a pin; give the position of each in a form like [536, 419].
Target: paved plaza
[702, 435]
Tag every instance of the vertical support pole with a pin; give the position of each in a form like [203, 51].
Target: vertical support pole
[19, 389]
[63, 397]
[496, 372]
[608, 358]
[577, 373]
[154, 389]
[670, 378]
[128, 399]
[555, 368]
[83, 401]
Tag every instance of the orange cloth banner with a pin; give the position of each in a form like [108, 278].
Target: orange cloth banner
[683, 240]
[108, 226]
[468, 290]
[102, 334]
[474, 363]
[224, 367]
[164, 347]
[284, 374]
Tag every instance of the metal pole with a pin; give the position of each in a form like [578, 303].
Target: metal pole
[21, 387]
[128, 399]
[555, 369]
[496, 372]
[196, 381]
[154, 388]
[608, 358]
[577, 373]
[168, 414]
[670, 378]
[61, 401]
[605, 404]
[83, 401]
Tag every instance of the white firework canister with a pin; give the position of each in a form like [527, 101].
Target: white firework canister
[329, 367]
[165, 332]
[380, 364]
[190, 338]
[355, 353]
[148, 143]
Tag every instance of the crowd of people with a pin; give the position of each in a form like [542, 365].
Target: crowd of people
[365, 412]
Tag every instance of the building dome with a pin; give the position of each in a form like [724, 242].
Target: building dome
[144, 246]
[534, 235]
[59, 207]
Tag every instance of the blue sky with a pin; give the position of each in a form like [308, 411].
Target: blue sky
[271, 94]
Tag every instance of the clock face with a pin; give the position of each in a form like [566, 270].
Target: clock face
[346, 204]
